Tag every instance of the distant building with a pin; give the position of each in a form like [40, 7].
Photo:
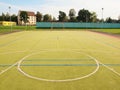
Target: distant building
[31, 18]
[7, 23]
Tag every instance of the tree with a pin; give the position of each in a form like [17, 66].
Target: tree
[7, 17]
[62, 16]
[109, 20]
[3, 17]
[47, 18]
[84, 16]
[14, 18]
[24, 16]
[93, 17]
[54, 19]
[38, 17]
[118, 19]
[72, 14]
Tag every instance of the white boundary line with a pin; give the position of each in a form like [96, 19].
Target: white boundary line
[65, 80]
[5, 70]
[110, 69]
[112, 46]
[107, 67]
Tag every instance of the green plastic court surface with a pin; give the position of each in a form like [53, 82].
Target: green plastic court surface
[59, 60]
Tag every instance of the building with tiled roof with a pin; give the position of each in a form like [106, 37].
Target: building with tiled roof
[31, 18]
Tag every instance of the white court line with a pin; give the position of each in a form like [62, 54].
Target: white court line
[65, 80]
[97, 63]
[107, 66]
[104, 43]
[2, 71]
[5, 70]
[110, 69]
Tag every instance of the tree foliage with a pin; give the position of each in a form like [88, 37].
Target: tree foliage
[94, 17]
[14, 18]
[39, 17]
[119, 19]
[6, 17]
[72, 15]
[2, 17]
[84, 16]
[108, 20]
[47, 18]
[24, 16]
[54, 19]
[62, 16]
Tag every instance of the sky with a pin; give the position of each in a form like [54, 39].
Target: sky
[52, 7]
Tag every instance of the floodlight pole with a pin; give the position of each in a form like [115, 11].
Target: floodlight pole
[102, 14]
[10, 18]
[102, 19]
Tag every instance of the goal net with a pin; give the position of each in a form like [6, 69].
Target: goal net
[55, 25]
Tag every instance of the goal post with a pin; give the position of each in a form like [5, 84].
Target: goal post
[57, 25]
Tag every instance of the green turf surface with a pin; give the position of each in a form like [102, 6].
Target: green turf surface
[59, 55]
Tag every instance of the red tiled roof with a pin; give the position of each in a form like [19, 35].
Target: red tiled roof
[30, 13]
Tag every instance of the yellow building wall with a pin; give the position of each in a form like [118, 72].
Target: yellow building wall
[7, 23]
